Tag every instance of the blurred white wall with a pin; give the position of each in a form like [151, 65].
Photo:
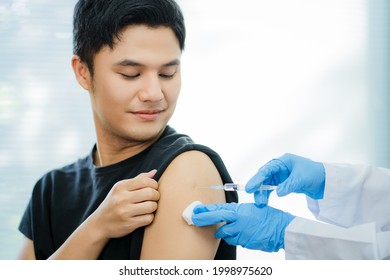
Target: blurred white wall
[262, 78]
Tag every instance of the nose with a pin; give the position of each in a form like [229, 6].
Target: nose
[150, 90]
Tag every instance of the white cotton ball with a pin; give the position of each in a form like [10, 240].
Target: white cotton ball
[189, 211]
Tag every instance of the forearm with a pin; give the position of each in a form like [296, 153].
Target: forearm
[304, 239]
[85, 243]
[354, 195]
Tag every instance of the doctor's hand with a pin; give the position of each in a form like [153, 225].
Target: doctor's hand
[246, 224]
[291, 174]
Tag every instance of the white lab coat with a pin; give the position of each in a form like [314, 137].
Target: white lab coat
[356, 215]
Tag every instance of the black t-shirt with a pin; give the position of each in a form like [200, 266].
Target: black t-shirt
[63, 198]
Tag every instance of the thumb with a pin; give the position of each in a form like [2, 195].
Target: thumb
[205, 215]
[215, 207]
[149, 174]
[142, 180]
[214, 217]
[287, 187]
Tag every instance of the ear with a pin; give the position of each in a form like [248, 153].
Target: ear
[81, 72]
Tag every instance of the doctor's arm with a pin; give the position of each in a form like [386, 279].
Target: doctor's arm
[312, 240]
[269, 229]
[341, 194]
[354, 194]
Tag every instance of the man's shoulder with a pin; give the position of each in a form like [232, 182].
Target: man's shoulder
[173, 142]
[75, 167]
[171, 138]
[66, 172]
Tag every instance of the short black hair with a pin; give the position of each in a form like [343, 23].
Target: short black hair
[98, 23]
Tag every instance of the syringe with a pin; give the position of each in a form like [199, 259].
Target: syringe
[240, 187]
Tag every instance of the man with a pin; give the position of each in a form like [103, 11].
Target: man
[125, 199]
[353, 200]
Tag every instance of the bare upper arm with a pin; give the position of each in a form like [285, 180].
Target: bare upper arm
[27, 251]
[169, 236]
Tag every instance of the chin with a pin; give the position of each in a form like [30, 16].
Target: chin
[145, 133]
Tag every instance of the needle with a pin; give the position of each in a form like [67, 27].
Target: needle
[239, 187]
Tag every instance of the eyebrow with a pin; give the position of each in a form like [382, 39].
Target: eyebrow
[128, 62]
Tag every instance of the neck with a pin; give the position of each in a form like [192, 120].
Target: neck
[111, 152]
[108, 155]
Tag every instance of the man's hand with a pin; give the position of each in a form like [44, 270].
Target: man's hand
[129, 205]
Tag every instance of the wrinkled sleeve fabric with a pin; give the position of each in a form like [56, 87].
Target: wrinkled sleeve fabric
[312, 240]
[356, 212]
[354, 195]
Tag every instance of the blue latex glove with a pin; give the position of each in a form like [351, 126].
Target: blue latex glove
[290, 173]
[246, 225]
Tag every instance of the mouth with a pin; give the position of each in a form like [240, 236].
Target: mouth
[147, 115]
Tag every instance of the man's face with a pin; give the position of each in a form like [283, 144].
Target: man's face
[136, 84]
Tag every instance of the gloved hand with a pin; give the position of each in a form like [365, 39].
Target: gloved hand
[246, 225]
[290, 173]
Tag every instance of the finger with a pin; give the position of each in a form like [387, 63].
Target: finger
[214, 217]
[139, 209]
[142, 180]
[141, 220]
[255, 182]
[141, 195]
[232, 240]
[261, 198]
[264, 175]
[226, 231]
[288, 186]
[214, 207]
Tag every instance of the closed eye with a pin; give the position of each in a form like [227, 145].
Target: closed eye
[130, 77]
[165, 76]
